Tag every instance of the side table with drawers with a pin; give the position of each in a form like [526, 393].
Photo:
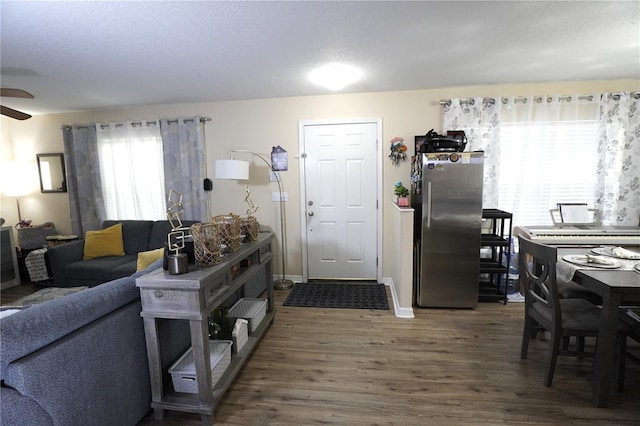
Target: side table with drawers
[193, 297]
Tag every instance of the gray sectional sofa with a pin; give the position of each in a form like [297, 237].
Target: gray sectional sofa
[70, 270]
[81, 359]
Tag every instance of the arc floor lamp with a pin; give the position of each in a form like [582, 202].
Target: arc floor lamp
[233, 169]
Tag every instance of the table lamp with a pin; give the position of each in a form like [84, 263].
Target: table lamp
[18, 187]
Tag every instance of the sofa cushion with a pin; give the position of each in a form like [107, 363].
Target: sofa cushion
[146, 258]
[124, 270]
[135, 234]
[105, 242]
[98, 268]
[155, 265]
[24, 410]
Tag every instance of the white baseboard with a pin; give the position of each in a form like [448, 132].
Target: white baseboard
[401, 311]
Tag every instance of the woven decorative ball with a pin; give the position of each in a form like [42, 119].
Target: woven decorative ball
[206, 243]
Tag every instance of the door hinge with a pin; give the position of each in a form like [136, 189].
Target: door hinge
[376, 261]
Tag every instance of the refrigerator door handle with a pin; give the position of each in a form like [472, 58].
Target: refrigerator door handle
[428, 204]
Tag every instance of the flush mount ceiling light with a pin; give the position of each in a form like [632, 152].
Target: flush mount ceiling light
[335, 76]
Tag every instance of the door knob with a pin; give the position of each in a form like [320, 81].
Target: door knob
[310, 213]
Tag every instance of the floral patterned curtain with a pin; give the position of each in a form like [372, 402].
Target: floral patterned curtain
[480, 120]
[618, 192]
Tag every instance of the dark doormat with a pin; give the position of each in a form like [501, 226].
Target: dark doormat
[338, 295]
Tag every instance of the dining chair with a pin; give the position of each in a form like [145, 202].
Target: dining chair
[545, 310]
[631, 331]
[573, 290]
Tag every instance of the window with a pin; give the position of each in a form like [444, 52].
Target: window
[550, 149]
[132, 170]
[545, 163]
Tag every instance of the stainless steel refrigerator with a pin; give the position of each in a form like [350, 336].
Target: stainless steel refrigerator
[447, 245]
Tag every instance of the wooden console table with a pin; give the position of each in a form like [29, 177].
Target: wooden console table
[193, 297]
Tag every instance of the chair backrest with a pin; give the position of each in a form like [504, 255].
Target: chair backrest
[537, 267]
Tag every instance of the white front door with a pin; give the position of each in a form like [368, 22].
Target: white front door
[340, 185]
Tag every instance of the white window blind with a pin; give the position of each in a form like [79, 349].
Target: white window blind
[542, 164]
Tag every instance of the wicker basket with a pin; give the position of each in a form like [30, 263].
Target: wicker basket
[35, 236]
[206, 243]
[229, 231]
[249, 228]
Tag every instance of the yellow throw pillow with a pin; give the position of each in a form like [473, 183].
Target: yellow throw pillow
[146, 258]
[105, 242]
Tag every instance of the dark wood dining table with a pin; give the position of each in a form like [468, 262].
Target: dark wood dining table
[617, 288]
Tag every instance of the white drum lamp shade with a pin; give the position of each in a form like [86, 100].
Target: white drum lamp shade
[232, 169]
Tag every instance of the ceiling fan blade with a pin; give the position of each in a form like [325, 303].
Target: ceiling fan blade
[15, 93]
[10, 112]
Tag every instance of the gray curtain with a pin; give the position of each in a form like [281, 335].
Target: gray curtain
[83, 178]
[184, 169]
[185, 164]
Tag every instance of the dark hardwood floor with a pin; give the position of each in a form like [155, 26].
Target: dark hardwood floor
[16, 292]
[444, 367]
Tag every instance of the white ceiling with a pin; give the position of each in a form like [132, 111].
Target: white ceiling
[91, 55]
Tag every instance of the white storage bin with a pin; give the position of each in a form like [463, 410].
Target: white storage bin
[183, 372]
[240, 334]
[253, 310]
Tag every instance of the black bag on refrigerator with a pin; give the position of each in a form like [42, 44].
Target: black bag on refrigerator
[454, 141]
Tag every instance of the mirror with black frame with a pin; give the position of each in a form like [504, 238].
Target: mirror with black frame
[52, 172]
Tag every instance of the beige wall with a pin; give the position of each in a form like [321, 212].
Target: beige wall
[257, 125]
